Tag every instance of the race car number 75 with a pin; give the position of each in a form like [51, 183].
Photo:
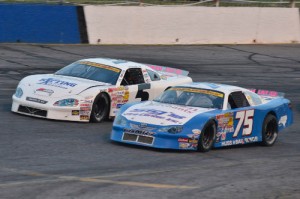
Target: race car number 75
[246, 119]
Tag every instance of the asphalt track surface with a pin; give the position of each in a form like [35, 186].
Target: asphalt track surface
[51, 159]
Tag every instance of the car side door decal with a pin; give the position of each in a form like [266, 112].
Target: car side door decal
[141, 93]
[244, 122]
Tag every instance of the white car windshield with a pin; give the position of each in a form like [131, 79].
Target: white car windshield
[92, 71]
[192, 97]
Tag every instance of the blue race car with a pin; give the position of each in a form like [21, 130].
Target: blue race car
[199, 116]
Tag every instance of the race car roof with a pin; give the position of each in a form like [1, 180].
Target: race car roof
[118, 63]
[214, 86]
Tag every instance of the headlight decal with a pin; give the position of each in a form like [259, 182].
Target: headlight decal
[120, 120]
[19, 92]
[171, 129]
[67, 102]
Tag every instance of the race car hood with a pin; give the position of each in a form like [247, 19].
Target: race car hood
[162, 114]
[56, 85]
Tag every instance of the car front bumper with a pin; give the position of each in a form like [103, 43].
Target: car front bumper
[158, 140]
[47, 111]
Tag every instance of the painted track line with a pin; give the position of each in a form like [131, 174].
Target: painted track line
[86, 179]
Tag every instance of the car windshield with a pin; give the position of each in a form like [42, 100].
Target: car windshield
[91, 71]
[192, 97]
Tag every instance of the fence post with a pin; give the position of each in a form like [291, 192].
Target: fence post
[292, 3]
[217, 3]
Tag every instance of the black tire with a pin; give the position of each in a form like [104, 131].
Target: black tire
[269, 130]
[207, 137]
[100, 108]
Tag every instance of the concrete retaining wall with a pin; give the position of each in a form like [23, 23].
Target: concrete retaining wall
[191, 25]
[67, 24]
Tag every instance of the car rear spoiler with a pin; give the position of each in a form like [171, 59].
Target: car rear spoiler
[169, 70]
[267, 93]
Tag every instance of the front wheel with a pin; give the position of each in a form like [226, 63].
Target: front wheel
[207, 137]
[269, 130]
[100, 108]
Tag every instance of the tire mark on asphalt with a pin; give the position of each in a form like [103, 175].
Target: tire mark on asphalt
[14, 62]
[271, 56]
[51, 59]
[54, 49]
[20, 73]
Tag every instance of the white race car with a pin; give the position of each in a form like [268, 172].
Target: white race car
[92, 89]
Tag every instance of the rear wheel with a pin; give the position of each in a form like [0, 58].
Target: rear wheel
[207, 137]
[269, 130]
[100, 108]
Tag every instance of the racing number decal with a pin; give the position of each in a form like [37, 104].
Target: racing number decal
[246, 119]
[144, 95]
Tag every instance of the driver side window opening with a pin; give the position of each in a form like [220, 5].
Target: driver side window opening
[133, 76]
[237, 100]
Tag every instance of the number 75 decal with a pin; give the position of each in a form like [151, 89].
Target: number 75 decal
[246, 119]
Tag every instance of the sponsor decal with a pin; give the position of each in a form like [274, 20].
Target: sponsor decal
[84, 112]
[85, 108]
[168, 116]
[56, 83]
[186, 145]
[196, 131]
[31, 99]
[267, 93]
[195, 135]
[75, 112]
[225, 122]
[87, 101]
[117, 70]
[86, 105]
[240, 141]
[251, 139]
[168, 69]
[223, 136]
[84, 117]
[119, 105]
[196, 90]
[44, 90]
[226, 143]
[282, 121]
[142, 126]
[138, 132]
[188, 140]
[183, 139]
[184, 109]
[119, 96]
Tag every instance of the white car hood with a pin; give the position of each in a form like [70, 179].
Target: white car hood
[162, 114]
[56, 85]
